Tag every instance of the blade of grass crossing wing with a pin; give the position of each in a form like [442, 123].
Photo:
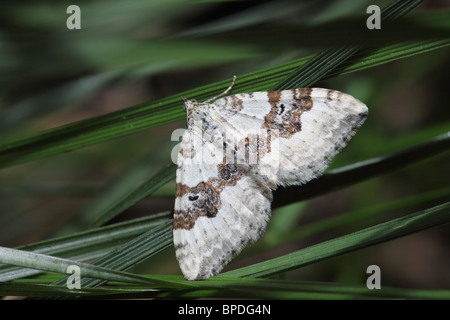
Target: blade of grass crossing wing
[125, 122]
[316, 69]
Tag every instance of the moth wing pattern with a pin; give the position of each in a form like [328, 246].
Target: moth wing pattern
[238, 149]
[219, 209]
[291, 135]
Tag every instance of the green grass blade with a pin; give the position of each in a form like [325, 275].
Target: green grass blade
[366, 215]
[87, 245]
[326, 61]
[362, 60]
[53, 264]
[332, 180]
[224, 288]
[364, 238]
[144, 116]
[133, 252]
[165, 175]
[252, 288]
[316, 69]
[41, 290]
[115, 249]
[398, 8]
[360, 171]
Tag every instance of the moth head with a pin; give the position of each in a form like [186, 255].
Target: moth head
[188, 104]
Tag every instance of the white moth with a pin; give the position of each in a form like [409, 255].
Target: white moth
[239, 148]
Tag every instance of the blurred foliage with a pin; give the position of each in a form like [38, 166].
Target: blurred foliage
[130, 54]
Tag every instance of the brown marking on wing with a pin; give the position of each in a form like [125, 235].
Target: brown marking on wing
[204, 198]
[285, 118]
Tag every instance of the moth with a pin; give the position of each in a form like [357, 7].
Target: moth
[236, 151]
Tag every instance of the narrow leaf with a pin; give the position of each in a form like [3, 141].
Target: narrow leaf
[52, 264]
[130, 254]
[364, 238]
[328, 60]
[360, 171]
[86, 245]
[144, 116]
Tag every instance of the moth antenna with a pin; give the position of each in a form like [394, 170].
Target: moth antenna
[223, 93]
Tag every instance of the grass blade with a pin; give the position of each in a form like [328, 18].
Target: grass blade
[87, 245]
[326, 61]
[41, 290]
[348, 175]
[165, 175]
[133, 252]
[144, 116]
[364, 238]
[332, 180]
[52, 264]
